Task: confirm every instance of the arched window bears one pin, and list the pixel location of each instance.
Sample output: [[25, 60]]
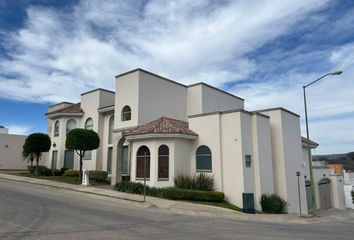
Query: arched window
[[203, 159], [126, 113], [142, 155], [89, 124], [70, 125], [110, 129], [56, 128], [163, 162]]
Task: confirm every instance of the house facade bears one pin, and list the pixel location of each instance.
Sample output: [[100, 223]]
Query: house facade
[[177, 129]]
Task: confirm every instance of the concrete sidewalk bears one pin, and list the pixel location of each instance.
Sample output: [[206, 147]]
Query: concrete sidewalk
[[178, 207]]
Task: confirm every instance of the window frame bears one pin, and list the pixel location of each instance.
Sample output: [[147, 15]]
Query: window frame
[[248, 161], [110, 129], [67, 123], [148, 163], [88, 119], [125, 112], [160, 157], [56, 128], [204, 155]]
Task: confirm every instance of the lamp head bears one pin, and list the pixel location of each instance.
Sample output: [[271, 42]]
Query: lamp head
[[337, 72]]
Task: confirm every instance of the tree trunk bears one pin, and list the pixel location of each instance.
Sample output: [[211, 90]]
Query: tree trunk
[[32, 167], [37, 160], [80, 173]]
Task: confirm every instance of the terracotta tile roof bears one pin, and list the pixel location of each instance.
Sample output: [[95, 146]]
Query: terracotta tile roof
[[312, 143], [162, 125], [76, 108]]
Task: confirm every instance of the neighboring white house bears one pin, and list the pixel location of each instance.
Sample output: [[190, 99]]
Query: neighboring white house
[[348, 188], [11, 150], [183, 129]]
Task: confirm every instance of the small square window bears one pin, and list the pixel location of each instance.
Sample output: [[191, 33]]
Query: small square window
[[248, 161]]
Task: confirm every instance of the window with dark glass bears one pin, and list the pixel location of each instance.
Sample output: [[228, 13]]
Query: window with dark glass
[[89, 124], [110, 129], [125, 160], [56, 128], [126, 113], [109, 160], [163, 162], [248, 161], [143, 155], [203, 159], [87, 155], [70, 125]]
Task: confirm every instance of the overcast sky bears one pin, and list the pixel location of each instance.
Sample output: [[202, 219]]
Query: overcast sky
[[262, 51]]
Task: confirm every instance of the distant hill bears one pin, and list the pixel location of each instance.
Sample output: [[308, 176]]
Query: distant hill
[[346, 159]]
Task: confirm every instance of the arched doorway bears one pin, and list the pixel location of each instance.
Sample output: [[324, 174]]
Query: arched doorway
[[325, 193]]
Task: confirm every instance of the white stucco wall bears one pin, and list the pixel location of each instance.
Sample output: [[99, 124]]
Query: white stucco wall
[[11, 152], [287, 158], [159, 97], [262, 157]]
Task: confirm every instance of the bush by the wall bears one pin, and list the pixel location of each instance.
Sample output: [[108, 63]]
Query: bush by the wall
[[98, 176], [56, 172], [204, 182], [194, 195], [170, 192], [72, 173], [353, 196], [199, 181], [272, 203], [42, 170], [130, 187], [62, 170]]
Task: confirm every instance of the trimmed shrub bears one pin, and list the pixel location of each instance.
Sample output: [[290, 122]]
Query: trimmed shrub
[[199, 181], [131, 187], [352, 196], [56, 172], [272, 203], [194, 195], [42, 170], [170, 192], [62, 171], [72, 173], [155, 191], [98, 176]]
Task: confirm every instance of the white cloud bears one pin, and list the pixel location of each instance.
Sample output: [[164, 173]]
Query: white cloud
[[58, 54], [18, 129]]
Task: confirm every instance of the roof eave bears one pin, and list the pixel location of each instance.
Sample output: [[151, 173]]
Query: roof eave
[[56, 115], [161, 135]]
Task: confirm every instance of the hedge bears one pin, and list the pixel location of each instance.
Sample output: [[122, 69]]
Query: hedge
[[98, 176], [72, 173], [42, 170], [170, 192], [272, 203], [194, 195]]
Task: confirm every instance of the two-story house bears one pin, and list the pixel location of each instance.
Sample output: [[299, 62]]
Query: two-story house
[[179, 129]]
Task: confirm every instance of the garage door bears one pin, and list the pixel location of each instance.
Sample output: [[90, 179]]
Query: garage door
[[325, 193]]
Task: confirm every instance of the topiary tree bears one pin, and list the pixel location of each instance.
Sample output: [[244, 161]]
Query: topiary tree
[[82, 140], [27, 155], [352, 192], [35, 145]]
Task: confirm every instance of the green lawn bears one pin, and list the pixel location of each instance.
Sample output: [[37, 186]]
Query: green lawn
[[63, 179], [223, 204]]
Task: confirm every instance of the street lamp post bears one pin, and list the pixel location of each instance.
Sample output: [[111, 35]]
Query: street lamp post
[[308, 138]]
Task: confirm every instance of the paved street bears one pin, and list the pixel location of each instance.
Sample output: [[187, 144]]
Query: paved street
[[30, 211]]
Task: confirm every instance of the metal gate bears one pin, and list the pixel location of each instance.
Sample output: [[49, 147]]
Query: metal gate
[[325, 193]]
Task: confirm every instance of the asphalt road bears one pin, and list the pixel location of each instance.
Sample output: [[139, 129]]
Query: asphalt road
[[30, 211]]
